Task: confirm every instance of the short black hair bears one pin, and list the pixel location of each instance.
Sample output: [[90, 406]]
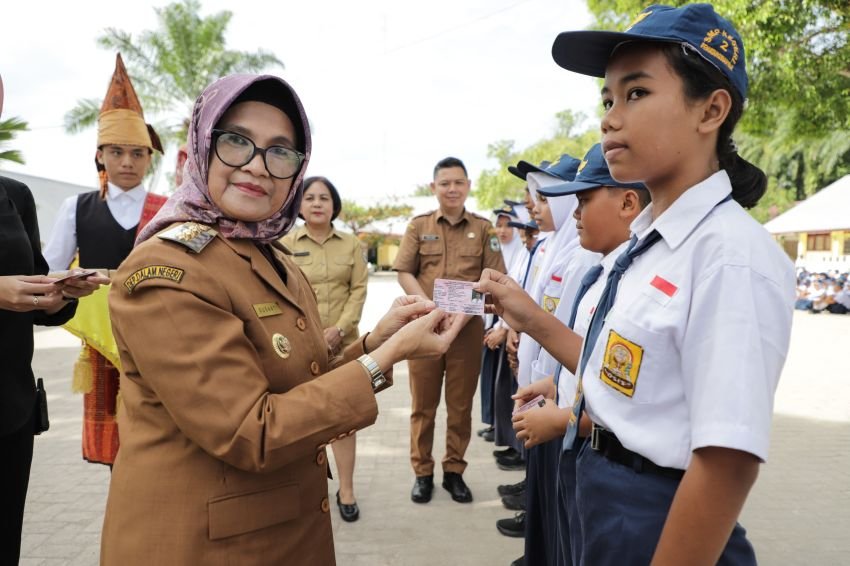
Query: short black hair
[[449, 162], [337, 203]]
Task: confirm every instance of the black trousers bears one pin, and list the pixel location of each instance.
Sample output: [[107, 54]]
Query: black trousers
[[489, 366], [503, 406], [16, 450]]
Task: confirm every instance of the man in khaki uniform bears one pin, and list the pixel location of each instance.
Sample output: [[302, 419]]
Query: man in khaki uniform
[[448, 243]]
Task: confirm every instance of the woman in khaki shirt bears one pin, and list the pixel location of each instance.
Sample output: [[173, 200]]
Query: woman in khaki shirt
[[230, 394], [333, 262]]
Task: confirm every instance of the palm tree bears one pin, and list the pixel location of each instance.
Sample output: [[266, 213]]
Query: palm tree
[[171, 66], [8, 129]]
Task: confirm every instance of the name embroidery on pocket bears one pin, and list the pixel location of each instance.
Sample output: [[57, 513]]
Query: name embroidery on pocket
[[621, 364]]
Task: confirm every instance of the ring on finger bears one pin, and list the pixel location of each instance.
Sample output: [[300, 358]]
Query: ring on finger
[[35, 300]]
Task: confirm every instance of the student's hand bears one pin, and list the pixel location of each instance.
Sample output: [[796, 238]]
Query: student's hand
[[540, 425], [510, 301], [24, 293], [427, 336], [545, 387], [495, 337], [512, 342], [78, 288], [333, 338], [403, 310]]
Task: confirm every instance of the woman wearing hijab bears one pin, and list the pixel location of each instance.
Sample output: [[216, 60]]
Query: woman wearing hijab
[[230, 395]]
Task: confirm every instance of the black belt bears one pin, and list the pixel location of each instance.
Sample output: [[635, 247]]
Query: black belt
[[607, 443]]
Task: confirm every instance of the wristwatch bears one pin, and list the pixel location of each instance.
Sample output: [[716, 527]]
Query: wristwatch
[[375, 374]]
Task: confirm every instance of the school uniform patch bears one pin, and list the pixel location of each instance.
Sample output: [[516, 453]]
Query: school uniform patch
[[494, 244], [153, 272], [549, 304], [621, 364]]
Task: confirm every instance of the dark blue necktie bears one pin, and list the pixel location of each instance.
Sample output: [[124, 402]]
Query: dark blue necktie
[[586, 283], [606, 301], [530, 259]]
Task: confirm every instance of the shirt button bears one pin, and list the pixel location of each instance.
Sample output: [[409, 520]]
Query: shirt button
[[325, 505], [314, 368], [300, 323], [321, 458]]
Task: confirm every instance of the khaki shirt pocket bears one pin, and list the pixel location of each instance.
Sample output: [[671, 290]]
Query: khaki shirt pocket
[[237, 514], [469, 262], [430, 257], [340, 268]]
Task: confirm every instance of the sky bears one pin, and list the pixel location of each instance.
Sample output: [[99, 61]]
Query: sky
[[389, 87]]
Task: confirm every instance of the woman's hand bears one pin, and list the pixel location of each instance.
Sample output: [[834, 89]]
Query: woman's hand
[[403, 310], [24, 293], [427, 336], [333, 338], [510, 301], [540, 425], [545, 387]]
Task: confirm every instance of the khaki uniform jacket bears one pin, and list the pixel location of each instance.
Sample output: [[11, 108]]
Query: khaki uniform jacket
[[229, 400], [434, 248], [337, 271]]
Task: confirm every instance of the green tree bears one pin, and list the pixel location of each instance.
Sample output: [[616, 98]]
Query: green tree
[[170, 66], [797, 123], [423, 190], [572, 135], [8, 129], [357, 217]]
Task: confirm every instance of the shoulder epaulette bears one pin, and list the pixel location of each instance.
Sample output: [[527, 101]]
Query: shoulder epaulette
[[429, 213], [478, 216], [192, 235]]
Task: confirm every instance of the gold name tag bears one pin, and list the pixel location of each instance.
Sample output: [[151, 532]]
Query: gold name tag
[[153, 272], [266, 309]]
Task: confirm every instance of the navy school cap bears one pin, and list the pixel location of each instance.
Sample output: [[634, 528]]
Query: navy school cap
[[564, 168], [592, 173], [521, 169], [696, 26], [507, 210], [530, 225]]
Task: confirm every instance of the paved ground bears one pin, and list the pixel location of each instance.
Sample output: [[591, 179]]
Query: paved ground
[[799, 512]]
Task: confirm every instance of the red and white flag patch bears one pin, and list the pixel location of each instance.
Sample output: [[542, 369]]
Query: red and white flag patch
[[664, 286], [557, 278]]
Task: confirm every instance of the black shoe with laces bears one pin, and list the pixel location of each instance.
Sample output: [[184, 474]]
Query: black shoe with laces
[[515, 502], [512, 527]]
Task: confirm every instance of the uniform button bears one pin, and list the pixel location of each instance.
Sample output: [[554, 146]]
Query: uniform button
[[314, 368], [325, 505], [321, 458], [300, 323]]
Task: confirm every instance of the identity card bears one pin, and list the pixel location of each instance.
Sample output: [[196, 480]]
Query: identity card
[[458, 297]]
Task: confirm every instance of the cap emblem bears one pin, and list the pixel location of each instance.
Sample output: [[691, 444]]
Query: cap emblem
[[722, 46]]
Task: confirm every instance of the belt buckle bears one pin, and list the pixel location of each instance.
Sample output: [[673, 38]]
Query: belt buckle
[[595, 438]]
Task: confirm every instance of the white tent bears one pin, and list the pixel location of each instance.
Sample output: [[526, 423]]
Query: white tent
[[825, 211]]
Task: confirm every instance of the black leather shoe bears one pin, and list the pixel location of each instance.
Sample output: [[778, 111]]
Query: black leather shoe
[[519, 561], [486, 430], [490, 435], [513, 527], [509, 451], [454, 484], [509, 463], [515, 502], [422, 489], [349, 513], [511, 489]]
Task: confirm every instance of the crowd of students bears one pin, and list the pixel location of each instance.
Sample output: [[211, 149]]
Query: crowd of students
[[823, 292], [643, 296]]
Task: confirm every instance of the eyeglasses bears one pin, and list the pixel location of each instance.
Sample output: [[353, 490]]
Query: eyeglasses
[[236, 150]]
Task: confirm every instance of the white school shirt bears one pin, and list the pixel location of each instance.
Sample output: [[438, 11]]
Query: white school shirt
[[125, 207], [567, 382], [516, 270], [690, 354], [559, 294]]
